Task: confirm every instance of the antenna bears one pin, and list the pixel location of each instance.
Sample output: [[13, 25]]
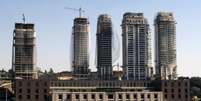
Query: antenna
[[80, 10], [23, 17]]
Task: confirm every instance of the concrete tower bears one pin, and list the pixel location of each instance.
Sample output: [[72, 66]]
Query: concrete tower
[[104, 47], [80, 48], [136, 46], [165, 46], [24, 51]]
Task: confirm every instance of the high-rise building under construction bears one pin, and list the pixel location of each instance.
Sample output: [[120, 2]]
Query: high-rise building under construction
[[24, 51], [104, 47], [80, 61], [165, 45], [136, 46]]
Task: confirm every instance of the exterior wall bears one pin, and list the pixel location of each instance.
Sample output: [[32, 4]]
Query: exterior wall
[[101, 90], [104, 47], [176, 90], [136, 46], [80, 48], [24, 51], [32, 90], [107, 96], [165, 45]]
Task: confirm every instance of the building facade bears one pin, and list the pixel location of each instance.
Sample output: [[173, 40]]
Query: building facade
[[24, 51], [80, 48], [103, 91], [176, 90], [136, 46], [32, 90], [165, 45], [104, 47]]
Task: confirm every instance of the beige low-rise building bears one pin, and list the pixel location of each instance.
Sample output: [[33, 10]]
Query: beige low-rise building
[[103, 91]]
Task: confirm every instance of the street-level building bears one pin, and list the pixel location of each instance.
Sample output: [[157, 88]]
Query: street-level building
[[176, 90], [32, 90], [103, 91]]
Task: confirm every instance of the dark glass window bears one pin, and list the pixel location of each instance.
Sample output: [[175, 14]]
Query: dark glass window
[[77, 96], [60, 96], [110, 96], [20, 97], [85, 96], [28, 96], [127, 96], [37, 96], [93, 96], [120, 96], [100, 96], [68, 96]]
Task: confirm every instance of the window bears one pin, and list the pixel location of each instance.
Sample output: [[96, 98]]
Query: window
[[37, 91], [166, 96], [28, 90], [20, 97], [135, 96], [77, 96], [45, 90], [179, 96], [85, 96], [28, 97], [165, 90], [155, 96], [68, 96], [36, 96], [127, 96], [60, 96], [172, 96], [93, 96], [142, 96], [20, 91], [120, 96], [148, 96], [100, 96], [110, 96]]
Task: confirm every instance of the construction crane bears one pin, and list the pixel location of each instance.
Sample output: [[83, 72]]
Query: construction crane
[[80, 10]]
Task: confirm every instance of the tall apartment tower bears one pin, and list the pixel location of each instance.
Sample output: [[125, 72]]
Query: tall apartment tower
[[104, 47], [80, 48], [24, 51], [136, 46], [165, 45]]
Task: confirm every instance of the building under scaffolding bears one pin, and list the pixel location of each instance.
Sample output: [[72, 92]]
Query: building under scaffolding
[[80, 62], [165, 44], [104, 47], [24, 51]]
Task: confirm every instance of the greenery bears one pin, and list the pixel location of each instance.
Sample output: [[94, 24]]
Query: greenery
[[195, 86], [51, 75]]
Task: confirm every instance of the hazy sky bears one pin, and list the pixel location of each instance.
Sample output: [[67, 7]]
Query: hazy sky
[[53, 26]]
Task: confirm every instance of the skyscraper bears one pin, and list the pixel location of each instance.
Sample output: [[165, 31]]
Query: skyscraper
[[104, 47], [165, 45], [80, 48], [136, 46], [24, 51]]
